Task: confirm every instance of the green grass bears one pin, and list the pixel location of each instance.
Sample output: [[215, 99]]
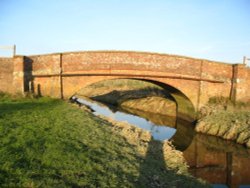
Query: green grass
[[50, 143], [228, 104], [107, 86], [226, 119], [120, 83]]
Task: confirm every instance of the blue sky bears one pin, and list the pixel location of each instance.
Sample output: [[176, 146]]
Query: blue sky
[[210, 29]]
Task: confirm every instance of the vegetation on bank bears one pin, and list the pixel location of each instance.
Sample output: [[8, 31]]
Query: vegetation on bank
[[50, 143], [222, 118], [107, 86], [134, 94]]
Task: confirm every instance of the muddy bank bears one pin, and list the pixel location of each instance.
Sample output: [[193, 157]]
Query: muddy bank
[[158, 119], [141, 138], [157, 105], [107, 86], [132, 94], [172, 159], [225, 120], [148, 100]]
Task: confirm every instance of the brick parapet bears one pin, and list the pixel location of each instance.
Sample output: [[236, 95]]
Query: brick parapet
[[197, 79], [6, 75], [18, 74]]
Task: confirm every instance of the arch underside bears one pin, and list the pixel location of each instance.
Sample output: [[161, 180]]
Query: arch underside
[[185, 105], [191, 82], [182, 91], [186, 78], [185, 112]]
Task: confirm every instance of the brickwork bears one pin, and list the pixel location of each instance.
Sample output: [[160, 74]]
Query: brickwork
[[45, 64], [242, 83], [18, 74], [129, 61], [6, 74], [61, 75], [212, 163]]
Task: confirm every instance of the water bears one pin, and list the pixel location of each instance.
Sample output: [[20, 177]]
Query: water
[[159, 132], [222, 163]]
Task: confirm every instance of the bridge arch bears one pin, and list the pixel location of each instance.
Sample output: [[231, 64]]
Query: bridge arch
[[185, 107], [185, 114], [57, 75]]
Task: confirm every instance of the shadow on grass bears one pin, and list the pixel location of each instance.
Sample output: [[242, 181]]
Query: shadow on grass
[[153, 167], [154, 172], [70, 156]]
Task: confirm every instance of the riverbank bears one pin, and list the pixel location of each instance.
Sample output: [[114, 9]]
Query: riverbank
[[50, 143], [222, 118], [132, 94]]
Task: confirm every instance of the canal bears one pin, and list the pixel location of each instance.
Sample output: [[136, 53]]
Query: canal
[[222, 163]]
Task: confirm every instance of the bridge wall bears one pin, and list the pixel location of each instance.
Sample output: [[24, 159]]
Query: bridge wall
[[6, 75], [241, 83], [61, 75], [215, 71], [45, 74]]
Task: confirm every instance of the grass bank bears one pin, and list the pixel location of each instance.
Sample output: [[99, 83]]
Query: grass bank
[[50, 143], [132, 94], [222, 118], [107, 86]]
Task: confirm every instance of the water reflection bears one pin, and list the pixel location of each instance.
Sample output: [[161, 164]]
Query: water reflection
[[158, 131], [157, 119], [222, 163], [219, 162]]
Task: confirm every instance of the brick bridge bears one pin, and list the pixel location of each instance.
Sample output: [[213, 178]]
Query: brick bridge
[[190, 80]]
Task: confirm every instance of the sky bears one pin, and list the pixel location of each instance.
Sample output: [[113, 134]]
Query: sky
[[209, 29]]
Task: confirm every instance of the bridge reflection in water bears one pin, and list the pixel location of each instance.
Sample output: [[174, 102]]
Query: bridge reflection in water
[[210, 158], [218, 161]]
